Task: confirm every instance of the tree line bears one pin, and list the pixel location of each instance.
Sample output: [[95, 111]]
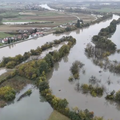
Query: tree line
[[34, 69], [103, 43], [110, 29], [11, 62], [81, 24]]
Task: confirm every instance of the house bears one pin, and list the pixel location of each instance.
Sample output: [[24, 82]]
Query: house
[[5, 40], [39, 33], [46, 29], [25, 36], [19, 37], [25, 31], [34, 35], [63, 26], [22, 31], [12, 38]]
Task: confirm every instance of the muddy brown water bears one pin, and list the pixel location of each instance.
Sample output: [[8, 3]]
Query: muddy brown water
[[58, 78]]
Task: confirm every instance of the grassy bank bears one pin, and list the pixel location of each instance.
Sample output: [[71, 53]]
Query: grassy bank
[[3, 35], [17, 83], [57, 116]]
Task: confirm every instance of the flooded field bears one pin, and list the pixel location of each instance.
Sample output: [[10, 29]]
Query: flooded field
[[58, 78]]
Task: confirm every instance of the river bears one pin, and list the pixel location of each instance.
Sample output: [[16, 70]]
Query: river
[[58, 78]]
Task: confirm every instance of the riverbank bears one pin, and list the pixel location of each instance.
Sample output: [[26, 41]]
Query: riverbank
[[63, 30], [81, 25], [5, 45]]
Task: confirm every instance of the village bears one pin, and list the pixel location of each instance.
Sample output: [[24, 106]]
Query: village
[[23, 35], [33, 33]]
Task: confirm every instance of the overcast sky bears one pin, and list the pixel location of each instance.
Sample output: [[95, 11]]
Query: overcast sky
[[54, 0]]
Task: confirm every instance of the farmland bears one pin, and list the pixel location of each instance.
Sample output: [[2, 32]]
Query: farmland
[[45, 19], [3, 35]]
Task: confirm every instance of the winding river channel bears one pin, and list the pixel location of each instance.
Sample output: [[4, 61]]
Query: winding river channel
[[34, 107]]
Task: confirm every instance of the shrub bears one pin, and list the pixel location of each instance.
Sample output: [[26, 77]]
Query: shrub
[[11, 64], [70, 79], [93, 93], [43, 85], [99, 91], [106, 54], [85, 88], [117, 96], [63, 50], [76, 76], [56, 56], [75, 69], [28, 92], [7, 93]]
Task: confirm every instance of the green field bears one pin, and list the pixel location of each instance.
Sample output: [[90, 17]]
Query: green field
[[6, 20], [9, 14], [3, 35], [1, 44], [57, 116]]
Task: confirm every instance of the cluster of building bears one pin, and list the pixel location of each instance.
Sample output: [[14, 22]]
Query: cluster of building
[[22, 37]]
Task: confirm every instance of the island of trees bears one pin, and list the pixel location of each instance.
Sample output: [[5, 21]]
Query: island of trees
[[110, 29]]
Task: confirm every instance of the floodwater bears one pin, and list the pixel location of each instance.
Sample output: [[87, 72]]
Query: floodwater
[[33, 107], [58, 78], [2, 71], [15, 23]]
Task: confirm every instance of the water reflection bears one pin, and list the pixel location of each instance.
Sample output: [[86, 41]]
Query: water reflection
[[67, 33], [113, 103], [78, 31], [56, 66], [65, 58], [12, 45], [50, 74], [42, 99]]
